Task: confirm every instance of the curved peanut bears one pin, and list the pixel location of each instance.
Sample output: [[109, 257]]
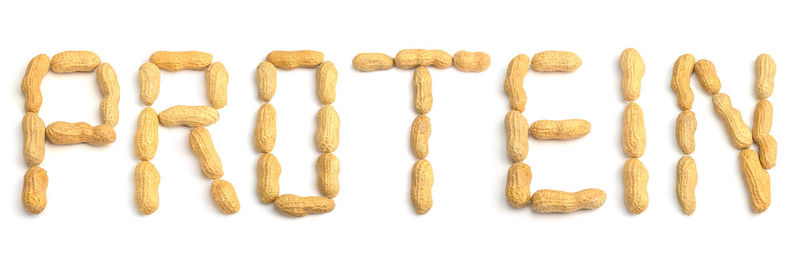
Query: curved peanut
[[32, 82], [149, 78], [147, 180], [411, 58], [74, 61], [372, 62], [266, 128], [560, 129], [203, 148], [471, 61], [224, 196], [423, 94], [632, 67], [176, 61], [685, 127], [549, 61], [191, 116], [767, 151], [145, 141], [420, 133], [80, 132], [295, 59], [421, 185], [326, 82], [217, 85], [515, 76], [516, 136], [738, 132], [686, 183], [266, 77], [518, 185], [765, 76], [556, 201], [109, 86], [328, 175], [707, 75], [634, 136], [635, 176], [269, 172], [681, 75], [297, 206], [34, 190], [757, 180], [33, 130], [327, 137]]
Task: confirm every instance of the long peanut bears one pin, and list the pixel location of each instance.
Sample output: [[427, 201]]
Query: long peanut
[[191, 116], [518, 185], [757, 180], [145, 141], [269, 172], [738, 132], [297, 206], [175, 61], [421, 185], [420, 133], [109, 87], [560, 129], [372, 62], [147, 180], [411, 58], [471, 61], [266, 77], [686, 183], [217, 85], [73, 133], [295, 59], [707, 75], [635, 177], [266, 128], [423, 94], [516, 136], [32, 82], [513, 84], [149, 78], [327, 137], [555, 61], [685, 127], [765, 76], [33, 130], [203, 148], [556, 201], [326, 82], [328, 175], [74, 61], [634, 136], [632, 67], [34, 190], [224, 196], [681, 75]]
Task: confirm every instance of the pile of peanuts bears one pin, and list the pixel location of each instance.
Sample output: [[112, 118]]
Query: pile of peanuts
[[34, 192]]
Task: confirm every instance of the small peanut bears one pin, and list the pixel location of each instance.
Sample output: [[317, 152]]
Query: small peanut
[[109, 86], [203, 148], [421, 185], [326, 82], [549, 61], [328, 175], [269, 172], [757, 180], [685, 127], [515, 76], [372, 62], [266, 77], [217, 85], [224, 196], [767, 151], [423, 94], [295, 59], [176, 61], [33, 139], [327, 129], [149, 78], [635, 176], [34, 190], [738, 132], [681, 75], [632, 67], [420, 133], [707, 75], [411, 58], [266, 129], [518, 185], [560, 129], [516, 136], [686, 183], [634, 136], [765, 76], [297, 206], [73, 133], [32, 82], [556, 201], [145, 141], [471, 61], [74, 61], [191, 116], [147, 180], [762, 119]]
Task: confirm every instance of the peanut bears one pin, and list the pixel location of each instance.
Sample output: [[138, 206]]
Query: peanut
[[686, 183], [73, 133], [762, 119], [34, 190], [109, 86], [203, 148], [757, 180], [176, 61], [681, 75], [685, 127], [423, 94], [372, 62], [32, 82], [518, 185], [420, 133], [224, 196], [632, 67], [326, 82], [217, 85], [765, 76], [635, 177], [328, 175], [297, 206], [634, 136], [295, 59], [421, 185], [471, 61], [269, 172], [740, 135], [560, 129], [548, 61], [266, 128], [556, 201], [266, 77], [147, 180], [327, 129], [74, 61], [707, 75], [515, 76], [411, 58], [33, 139], [145, 141], [767, 151], [191, 116], [149, 83], [516, 136]]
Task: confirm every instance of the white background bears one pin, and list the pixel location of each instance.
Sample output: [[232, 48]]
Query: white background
[[91, 220]]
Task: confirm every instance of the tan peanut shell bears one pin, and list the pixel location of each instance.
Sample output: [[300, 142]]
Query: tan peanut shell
[[757, 180], [326, 82], [556, 201], [217, 85], [635, 177], [518, 185], [707, 75], [420, 133], [423, 94], [109, 87], [550, 61], [176, 61], [34, 190], [33, 130], [762, 119], [80, 132], [421, 185], [224, 196], [372, 62], [412, 58], [765, 76], [471, 61], [768, 151], [145, 141], [516, 136], [32, 82], [681, 76], [269, 172], [327, 129], [74, 61], [296, 206], [191, 116], [266, 128], [295, 59], [686, 183], [147, 180], [149, 78], [203, 148], [515, 76], [266, 77], [685, 127], [328, 175], [634, 136], [560, 129], [738, 132], [632, 67]]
